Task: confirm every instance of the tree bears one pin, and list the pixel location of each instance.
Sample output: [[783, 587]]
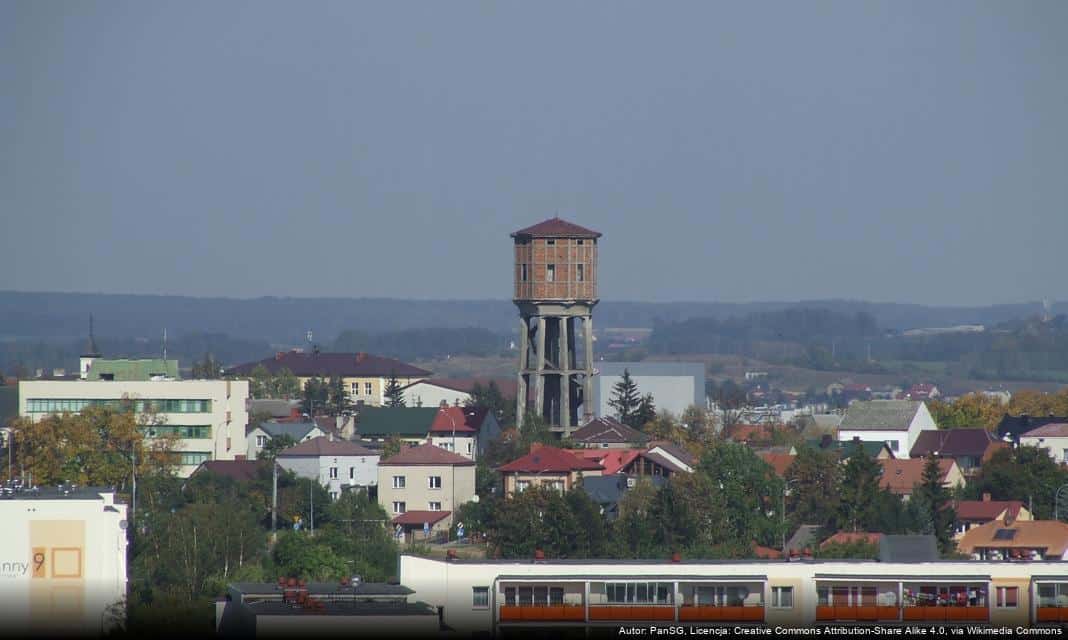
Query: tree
[[339, 400], [316, 395], [259, 382], [970, 410], [1025, 473], [698, 422], [645, 412], [393, 392], [813, 478], [276, 445], [934, 506], [693, 514], [490, 397], [752, 492], [300, 556], [857, 550], [859, 492], [391, 447], [635, 530], [625, 399], [731, 401], [207, 369], [285, 385]]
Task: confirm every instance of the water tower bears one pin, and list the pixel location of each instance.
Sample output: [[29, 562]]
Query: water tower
[[556, 290]]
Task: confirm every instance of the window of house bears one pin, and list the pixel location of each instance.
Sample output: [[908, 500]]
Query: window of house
[[556, 596], [892, 444], [334, 495], [480, 597], [355, 388], [434, 506], [398, 482], [556, 484], [333, 473], [468, 448], [782, 597], [352, 473], [400, 507], [433, 482], [521, 485], [509, 596], [261, 441], [550, 273], [580, 272], [1007, 597], [367, 388]]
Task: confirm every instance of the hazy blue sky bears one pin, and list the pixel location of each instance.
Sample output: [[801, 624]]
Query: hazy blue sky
[[904, 151]]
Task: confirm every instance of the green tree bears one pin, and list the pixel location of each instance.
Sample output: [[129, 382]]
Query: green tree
[[636, 532], [490, 397], [393, 392], [933, 503], [538, 518], [339, 400], [391, 447], [1025, 473], [857, 550], [625, 400], [813, 478], [275, 445], [859, 492], [646, 411], [316, 395], [751, 490], [299, 555], [259, 382], [285, 385]]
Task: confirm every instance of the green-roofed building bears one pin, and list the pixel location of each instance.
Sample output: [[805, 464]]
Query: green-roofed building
[[411, 424], [876, 450], [130, 370]]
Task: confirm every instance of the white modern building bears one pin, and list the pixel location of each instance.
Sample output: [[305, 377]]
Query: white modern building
[[338, 465], [898, 423], [62, 561], [209, 416], [674, 385]]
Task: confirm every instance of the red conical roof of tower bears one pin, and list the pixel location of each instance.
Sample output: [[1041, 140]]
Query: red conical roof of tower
[[557, 228]]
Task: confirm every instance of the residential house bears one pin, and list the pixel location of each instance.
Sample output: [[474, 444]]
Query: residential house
[[424, 484], [1051, 437], [607, 433], [751, 434], [338, 465], [410, 425], [969, 447], [547, 466], [1012, 427], [463, 430], [972, 513], [364, 375], [632, 462], [209, 417], [257, 437], [608, 490], [780, 462], [844, 449], [898, 423], [922, 391], [673, 452], [902, 476], [456, 392], [1036, 540]]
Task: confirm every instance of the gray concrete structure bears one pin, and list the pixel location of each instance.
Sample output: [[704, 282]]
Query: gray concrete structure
[[674, 385]]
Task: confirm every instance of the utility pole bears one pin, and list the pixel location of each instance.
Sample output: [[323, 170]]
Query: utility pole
[[274, 498], [311, 499]]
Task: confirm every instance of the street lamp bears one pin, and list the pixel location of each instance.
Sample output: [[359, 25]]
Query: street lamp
[[785, 489]]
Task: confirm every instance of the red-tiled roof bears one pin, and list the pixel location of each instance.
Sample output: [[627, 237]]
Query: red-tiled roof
[[551, 460], [778, 461], [419, 517], [426, 454], [747, 432], [954, 442], [612, 460], [333, 364], [900, 476], [324, 446], [766, 553], [460, 419], [1055, 430], [1030, 534], [987, 509], [850, 537], [557, 228]]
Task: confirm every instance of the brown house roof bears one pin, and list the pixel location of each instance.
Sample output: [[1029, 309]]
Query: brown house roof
[[550, 460], [238, 470], [419, 517], [1055, 430], [324, 446], [426, 454], [955, 442], [987, 509], [780, 462], [557, 228], [900, 476], [674, 450], [460, 419], [1029, 534], [607, 430], [333, 364]]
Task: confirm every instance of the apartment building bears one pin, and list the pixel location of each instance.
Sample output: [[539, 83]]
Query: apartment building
[[338, 465], [209, 416], [423, 486], [62, 561], [506, 596]]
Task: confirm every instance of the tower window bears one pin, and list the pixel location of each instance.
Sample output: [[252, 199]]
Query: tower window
[[550, 273], [580, 242], [551, 243], [523, 273], [580, 273]]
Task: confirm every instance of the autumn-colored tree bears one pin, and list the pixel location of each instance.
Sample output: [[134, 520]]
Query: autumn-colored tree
[[969, 410], [1037, 403]]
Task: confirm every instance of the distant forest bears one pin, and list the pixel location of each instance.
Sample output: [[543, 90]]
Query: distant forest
[[48, 330]]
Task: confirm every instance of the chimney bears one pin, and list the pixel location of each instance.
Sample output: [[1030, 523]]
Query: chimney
[[539, 555], [986, 497], [676, 557]]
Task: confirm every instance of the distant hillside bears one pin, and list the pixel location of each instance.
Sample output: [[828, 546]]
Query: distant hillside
[[63, 316]]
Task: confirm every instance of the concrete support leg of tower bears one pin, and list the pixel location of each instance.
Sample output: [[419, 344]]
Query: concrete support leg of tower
[[565, 377], [521, 382], [587, 393], [539, 365]]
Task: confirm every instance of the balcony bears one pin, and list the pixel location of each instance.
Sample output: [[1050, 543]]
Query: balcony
[[648, 613], [1051, 614], [937, 613], [705, 613], [860, 613], [543, 613]]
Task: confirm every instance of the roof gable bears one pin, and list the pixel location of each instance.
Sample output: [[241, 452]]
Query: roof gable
[[1030, 534], [607, 430], [459, 419], [901, 476], [324, 446], [880, 415], [426, 455]]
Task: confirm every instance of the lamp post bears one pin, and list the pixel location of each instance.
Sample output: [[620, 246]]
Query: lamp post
[[1057, 501], [785, 489]]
